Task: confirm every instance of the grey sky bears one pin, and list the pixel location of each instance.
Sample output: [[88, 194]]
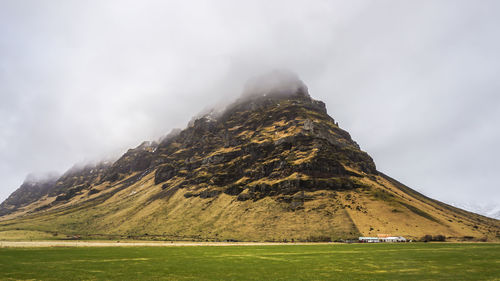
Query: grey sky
[[414, 82]]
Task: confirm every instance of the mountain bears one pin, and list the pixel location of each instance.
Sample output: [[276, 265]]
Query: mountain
[[272, 166]]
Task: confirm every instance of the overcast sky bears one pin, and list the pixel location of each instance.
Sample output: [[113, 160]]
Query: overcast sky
[[416, 83]]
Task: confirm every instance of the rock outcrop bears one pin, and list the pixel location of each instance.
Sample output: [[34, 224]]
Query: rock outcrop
[[267, 145]]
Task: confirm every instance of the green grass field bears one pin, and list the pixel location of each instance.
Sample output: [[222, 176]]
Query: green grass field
[[418, 261]]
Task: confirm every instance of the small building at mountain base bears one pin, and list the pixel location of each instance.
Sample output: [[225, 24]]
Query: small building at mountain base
[[369, 240], [386, 239]]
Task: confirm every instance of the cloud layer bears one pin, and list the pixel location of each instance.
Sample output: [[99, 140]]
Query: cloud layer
[[414, 82]]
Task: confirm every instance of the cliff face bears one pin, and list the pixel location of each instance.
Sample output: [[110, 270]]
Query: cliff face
[[271, 166], [262, 147]]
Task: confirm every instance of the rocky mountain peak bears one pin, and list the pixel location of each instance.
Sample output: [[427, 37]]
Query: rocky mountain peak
[[262, 146], [261, 91]]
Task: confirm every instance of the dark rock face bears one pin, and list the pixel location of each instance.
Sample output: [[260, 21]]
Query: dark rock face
[[264, 146], [164, 173], [134, 160], [80, 177]]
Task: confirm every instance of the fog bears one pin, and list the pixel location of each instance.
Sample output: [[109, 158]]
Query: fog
[[414, 82], [278, 82]]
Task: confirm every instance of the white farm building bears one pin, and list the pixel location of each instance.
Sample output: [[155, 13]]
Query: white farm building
[[369, 239], [389, 239]]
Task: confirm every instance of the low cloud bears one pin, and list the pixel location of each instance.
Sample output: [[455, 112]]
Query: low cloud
[[276, 83]]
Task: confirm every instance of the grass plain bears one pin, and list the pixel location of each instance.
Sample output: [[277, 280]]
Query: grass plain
[[415, 261]]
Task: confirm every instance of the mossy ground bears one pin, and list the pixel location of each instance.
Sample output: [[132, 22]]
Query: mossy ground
[[415, 261]]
